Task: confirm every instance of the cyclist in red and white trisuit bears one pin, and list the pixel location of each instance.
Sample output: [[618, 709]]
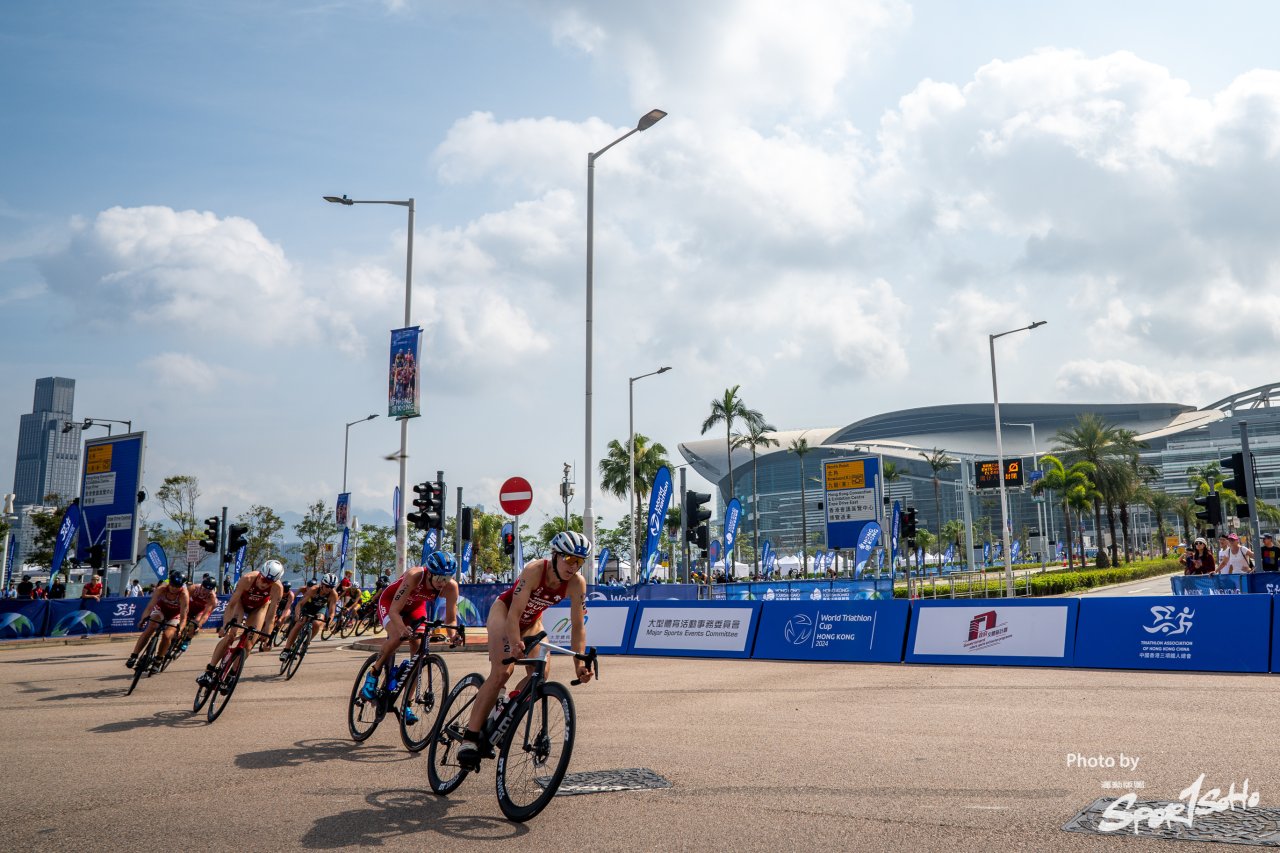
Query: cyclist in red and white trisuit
[[168, 608], [518, 613], [409, 599], [253, 603], [204, 600]]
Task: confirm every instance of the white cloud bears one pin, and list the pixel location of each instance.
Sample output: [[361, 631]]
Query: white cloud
[[182, 371], [1120, 381]]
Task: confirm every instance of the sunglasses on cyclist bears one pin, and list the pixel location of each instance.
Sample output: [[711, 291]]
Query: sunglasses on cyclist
[[574, 561]]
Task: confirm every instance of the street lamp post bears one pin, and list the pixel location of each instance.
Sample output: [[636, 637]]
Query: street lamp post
[[404, 421], [631, 470], [1004, 493], [345, 443], [1040, 507], [647, 121], [92, 422]]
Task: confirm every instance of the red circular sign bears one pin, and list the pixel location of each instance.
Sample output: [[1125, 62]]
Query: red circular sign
[[516, 496]]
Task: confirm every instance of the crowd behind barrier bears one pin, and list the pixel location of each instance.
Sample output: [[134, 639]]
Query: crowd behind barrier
[[804, 590], [1262, 583], [1239, 632]]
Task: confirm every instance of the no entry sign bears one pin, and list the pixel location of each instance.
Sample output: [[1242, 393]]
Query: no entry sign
[[516, 496]]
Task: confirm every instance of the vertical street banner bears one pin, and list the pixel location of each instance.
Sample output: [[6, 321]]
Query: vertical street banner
[[1015, 551], [342, 557], [109, 490], [894, 532], [158, 560], [466, 559], [428, 545], [732, 517], [950, 555], [402, 379], [659, 500], [66, 532], [240, 561], [8, 566], [870, 536], [713, 551], [604, 558], [766, 555], [342, 509], [986, 554]]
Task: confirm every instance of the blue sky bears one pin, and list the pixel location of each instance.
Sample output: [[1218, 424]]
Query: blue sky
[[845, 199]]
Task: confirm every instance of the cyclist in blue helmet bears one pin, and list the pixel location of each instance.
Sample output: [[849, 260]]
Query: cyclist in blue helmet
[[411, 598]]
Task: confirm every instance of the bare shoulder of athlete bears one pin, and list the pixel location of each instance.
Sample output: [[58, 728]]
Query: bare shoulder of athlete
[[577, 586]]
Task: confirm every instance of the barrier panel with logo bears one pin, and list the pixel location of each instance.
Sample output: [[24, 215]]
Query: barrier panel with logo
[[1209, 584], [22, 618], [1168, 632], [837, 590], [68, 618], [1021, 632], [644, 592], [608, 625], [832, 631], [719, 629], [1264, 583]]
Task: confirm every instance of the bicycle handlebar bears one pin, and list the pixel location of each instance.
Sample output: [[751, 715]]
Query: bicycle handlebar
[[247, 629], [423, 625], [590, 657]]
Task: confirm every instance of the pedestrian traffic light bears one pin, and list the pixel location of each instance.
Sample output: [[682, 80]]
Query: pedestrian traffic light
[[695, 514], [464, 522], [909, 524], [430, 505], [1237, 482], [702, 538], [97, 556], [509, 543], [237, 537], [210, 541], [1211, 515]]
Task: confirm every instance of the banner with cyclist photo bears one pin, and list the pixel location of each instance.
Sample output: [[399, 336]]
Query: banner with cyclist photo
[[402, 378]]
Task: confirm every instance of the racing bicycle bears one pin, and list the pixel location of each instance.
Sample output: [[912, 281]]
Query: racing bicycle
[[419, 683], [150, 655], [227, 673], [533, 735], [297, 651]]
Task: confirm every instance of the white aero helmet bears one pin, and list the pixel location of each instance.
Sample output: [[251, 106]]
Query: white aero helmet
[[329, 579], [572, 543], [273, 570]]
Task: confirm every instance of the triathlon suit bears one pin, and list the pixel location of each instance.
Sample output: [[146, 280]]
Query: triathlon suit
[[540, 599], [169, 608], [315, 605], [414, 607], [252, 598], [201, 600]]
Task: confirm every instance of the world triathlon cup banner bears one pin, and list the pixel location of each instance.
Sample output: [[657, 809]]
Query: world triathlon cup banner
[[832, 631], [720, 629], [402, 379], [608, 625], [837, 590], [1210, 634], [993, 631], [1210, 584], [659, 500]]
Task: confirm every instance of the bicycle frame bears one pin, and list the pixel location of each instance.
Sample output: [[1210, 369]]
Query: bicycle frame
[[419, 633], [518, 707]]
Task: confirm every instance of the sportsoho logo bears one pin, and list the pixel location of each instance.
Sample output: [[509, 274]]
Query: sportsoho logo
[[985, 631]]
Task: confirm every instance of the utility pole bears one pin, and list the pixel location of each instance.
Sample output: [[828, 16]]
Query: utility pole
[[222, 550]]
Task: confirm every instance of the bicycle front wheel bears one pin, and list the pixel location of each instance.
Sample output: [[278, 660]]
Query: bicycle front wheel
[[363, 715], [300, 645], [347, 625], [330, 628], [534, 755], [228, 678], [443, 771], [421, 699]]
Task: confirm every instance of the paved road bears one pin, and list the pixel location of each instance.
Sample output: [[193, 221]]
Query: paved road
[[761, 756], [1147, 586]]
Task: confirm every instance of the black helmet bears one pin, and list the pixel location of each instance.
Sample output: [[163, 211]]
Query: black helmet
[[209, 583], [177, 578]]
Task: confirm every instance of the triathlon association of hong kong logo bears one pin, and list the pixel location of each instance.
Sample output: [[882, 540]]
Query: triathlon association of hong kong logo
[[985, 631]]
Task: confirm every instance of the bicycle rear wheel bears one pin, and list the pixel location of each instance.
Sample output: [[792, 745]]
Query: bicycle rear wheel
[[364, 622], [347, 625], [143, 664], [422, 697], [534, 755], [228, 678], [330, 627], [300, 645], [443, 771], [202, 696], [363, 715]]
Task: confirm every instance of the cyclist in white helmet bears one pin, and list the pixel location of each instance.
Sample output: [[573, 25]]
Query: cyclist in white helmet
[[253, 603], [322, 598], [518, 613]]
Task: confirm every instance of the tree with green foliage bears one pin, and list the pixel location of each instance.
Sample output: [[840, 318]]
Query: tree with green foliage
[[375, 550], [938, 462], [177, 497], [800, 447], [1091, 440], [756, 437], [615, 472], [316, 530], [728, 410], [263, 536], [1161, 504], [1061, 479]]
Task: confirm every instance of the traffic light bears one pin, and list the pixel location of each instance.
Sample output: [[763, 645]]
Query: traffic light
[[909, 524], [210, 541], [237, 537], [97, 556], [464, 522], [430, 505], [1211, 515], [509, 543], [1237, 482], [696, 517]]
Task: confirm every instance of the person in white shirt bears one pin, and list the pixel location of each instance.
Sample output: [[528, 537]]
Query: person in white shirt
[[1235, 559], [135, 588]]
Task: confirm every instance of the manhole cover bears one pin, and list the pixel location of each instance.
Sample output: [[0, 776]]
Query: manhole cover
[[601, 781], [1259, 827]]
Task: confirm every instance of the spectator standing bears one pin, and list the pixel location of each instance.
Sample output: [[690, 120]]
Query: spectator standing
[[57, 589], [135, 589], [26, 588], [1199, 559], [1235, 560], [39, 591], [1268, 555], [92, 590]]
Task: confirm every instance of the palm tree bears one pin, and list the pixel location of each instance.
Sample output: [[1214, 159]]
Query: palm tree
[[1081, 498], [1159, 503], [755, 437], [1062, 479], [1090, 440], [727, 410], [938, 461], [615, 473], [800, 447], [953, 531], [1185, 509]]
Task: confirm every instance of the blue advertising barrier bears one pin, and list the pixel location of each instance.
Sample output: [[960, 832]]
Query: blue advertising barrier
[[1264, 583], [1209, 584], [644, 592], [1020, 632], [22, 618], [1168, 632], [475, 599], [719, 629], [836, 590], [832, 631], [608, 625]]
